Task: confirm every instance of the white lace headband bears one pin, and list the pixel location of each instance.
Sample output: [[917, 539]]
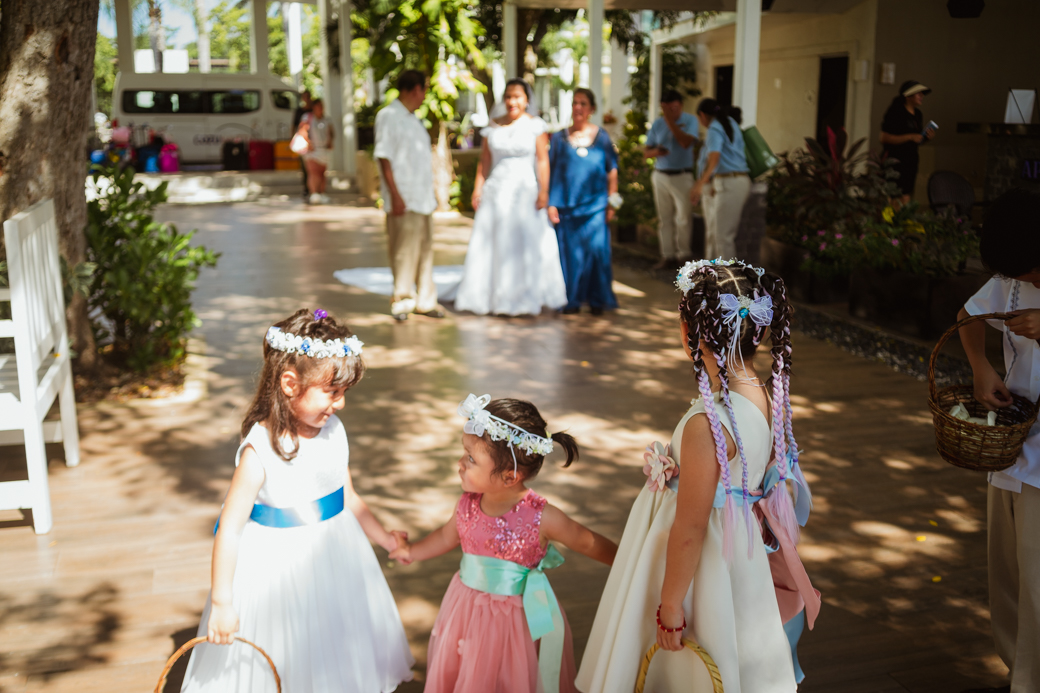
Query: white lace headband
[[315, 348], [685, 281], [481, 421]]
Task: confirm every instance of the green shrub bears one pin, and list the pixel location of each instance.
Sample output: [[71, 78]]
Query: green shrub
[[821, 195], [920, 242], [140, 295], [634, 174]]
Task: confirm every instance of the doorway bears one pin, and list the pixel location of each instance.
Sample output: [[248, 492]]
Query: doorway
[[830, 102], [724, 85]]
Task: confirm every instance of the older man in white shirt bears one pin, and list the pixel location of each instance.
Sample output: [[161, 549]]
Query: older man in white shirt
[[403, 150]]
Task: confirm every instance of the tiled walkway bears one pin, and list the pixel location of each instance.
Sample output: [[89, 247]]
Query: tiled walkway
[[896, 543]]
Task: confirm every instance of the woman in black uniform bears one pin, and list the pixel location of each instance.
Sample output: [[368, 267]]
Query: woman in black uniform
[[902, 130]]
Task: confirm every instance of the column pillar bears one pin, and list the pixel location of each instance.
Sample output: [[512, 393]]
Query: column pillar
[[348, 130], [596, 19], [654, 104], [124, 37], [258, 39], [332, 86], [509, 47], [745, 59]]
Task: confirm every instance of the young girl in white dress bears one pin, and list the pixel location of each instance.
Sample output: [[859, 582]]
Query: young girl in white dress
[[513, 260], [293, 572], [692, 562]]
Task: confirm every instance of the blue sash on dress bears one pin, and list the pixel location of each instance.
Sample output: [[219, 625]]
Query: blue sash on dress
[[311, 513]]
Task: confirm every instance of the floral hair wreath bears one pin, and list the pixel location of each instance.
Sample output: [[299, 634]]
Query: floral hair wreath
[[481, 421], [315, 348]]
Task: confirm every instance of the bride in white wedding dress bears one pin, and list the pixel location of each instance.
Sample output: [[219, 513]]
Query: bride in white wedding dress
[[513, 260]]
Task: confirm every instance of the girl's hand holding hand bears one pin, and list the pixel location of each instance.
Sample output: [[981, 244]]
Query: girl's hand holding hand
[[671, 617], [403, 552], [223, 624]]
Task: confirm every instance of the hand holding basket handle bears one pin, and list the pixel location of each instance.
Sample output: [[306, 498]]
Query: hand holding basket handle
[[970, 445]]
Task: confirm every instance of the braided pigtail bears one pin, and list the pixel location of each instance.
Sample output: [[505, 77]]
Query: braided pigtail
[[778, 499], [729, 517], [721, 361], [700, 312]]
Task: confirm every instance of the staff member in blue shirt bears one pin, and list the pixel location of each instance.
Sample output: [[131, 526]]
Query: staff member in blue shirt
[[670, 143], [727, 173]]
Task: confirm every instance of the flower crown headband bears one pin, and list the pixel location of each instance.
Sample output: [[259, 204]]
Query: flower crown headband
[[481, 421], [734, 308], [315, 348]]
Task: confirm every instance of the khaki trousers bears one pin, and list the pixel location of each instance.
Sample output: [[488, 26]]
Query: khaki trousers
[[674, 226], [1013, 521], [411, 258], [722, 224]]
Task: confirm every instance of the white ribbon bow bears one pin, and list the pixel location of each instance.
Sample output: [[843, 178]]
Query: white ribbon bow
[[735, 308], [473, 409]]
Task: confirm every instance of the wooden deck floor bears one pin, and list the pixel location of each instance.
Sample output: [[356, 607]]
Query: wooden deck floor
[[896, 542]]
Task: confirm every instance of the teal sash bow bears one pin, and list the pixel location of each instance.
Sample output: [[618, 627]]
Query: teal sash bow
[[544, 619]]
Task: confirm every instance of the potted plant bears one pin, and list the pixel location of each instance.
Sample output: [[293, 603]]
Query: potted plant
[[817, 197], [915, 273]]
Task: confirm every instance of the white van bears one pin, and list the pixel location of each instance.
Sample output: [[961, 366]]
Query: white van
[[198, 112]]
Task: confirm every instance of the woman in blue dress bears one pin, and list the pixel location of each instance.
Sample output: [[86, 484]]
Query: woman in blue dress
[[582, 184]]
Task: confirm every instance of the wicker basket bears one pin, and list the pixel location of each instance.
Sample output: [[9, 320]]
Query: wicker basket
[[709, 663], [971, 445], [195, 641]]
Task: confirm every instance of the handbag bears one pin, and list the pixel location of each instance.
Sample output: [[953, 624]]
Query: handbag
[[299, 144]]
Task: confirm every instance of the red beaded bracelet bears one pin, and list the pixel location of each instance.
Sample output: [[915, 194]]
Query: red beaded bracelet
[[670, 630]]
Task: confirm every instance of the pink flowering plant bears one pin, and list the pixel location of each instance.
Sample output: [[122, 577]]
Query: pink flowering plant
[[659, 466], [818, 196]]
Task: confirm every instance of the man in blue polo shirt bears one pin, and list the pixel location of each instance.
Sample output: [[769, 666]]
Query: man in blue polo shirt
[[670, 143]]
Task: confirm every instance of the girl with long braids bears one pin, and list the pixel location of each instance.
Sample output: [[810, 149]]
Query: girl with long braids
[[694, 562]]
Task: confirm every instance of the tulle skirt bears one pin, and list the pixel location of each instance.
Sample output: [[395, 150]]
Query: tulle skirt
[[314, 598], [480, 642]]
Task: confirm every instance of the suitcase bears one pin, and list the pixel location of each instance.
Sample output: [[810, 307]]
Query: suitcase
[[261, 155], [235, 156], [169, 159], [284, 158]]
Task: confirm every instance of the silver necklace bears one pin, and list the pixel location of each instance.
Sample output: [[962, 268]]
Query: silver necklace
[[580, 141]]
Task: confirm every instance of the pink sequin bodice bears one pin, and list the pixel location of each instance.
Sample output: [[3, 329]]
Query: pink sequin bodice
[[511, 537]]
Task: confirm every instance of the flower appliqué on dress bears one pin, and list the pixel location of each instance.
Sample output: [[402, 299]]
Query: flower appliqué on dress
[[659, 467]]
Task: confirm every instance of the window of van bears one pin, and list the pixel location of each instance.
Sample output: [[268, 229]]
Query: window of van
[[163, 102], [234, 101], [285, 100]]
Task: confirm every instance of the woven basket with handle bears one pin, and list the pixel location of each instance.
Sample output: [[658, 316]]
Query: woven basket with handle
[[971, 445], [195, 641], [709, 663]]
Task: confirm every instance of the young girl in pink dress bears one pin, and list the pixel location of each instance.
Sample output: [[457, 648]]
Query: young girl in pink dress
[[500, 602]]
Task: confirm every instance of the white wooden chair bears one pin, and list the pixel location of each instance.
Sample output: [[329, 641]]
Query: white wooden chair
[[39, 370]]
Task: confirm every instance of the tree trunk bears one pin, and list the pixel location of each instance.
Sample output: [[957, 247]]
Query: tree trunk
[[46, 71], [200, 24], [443, 172], [156, 37]]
